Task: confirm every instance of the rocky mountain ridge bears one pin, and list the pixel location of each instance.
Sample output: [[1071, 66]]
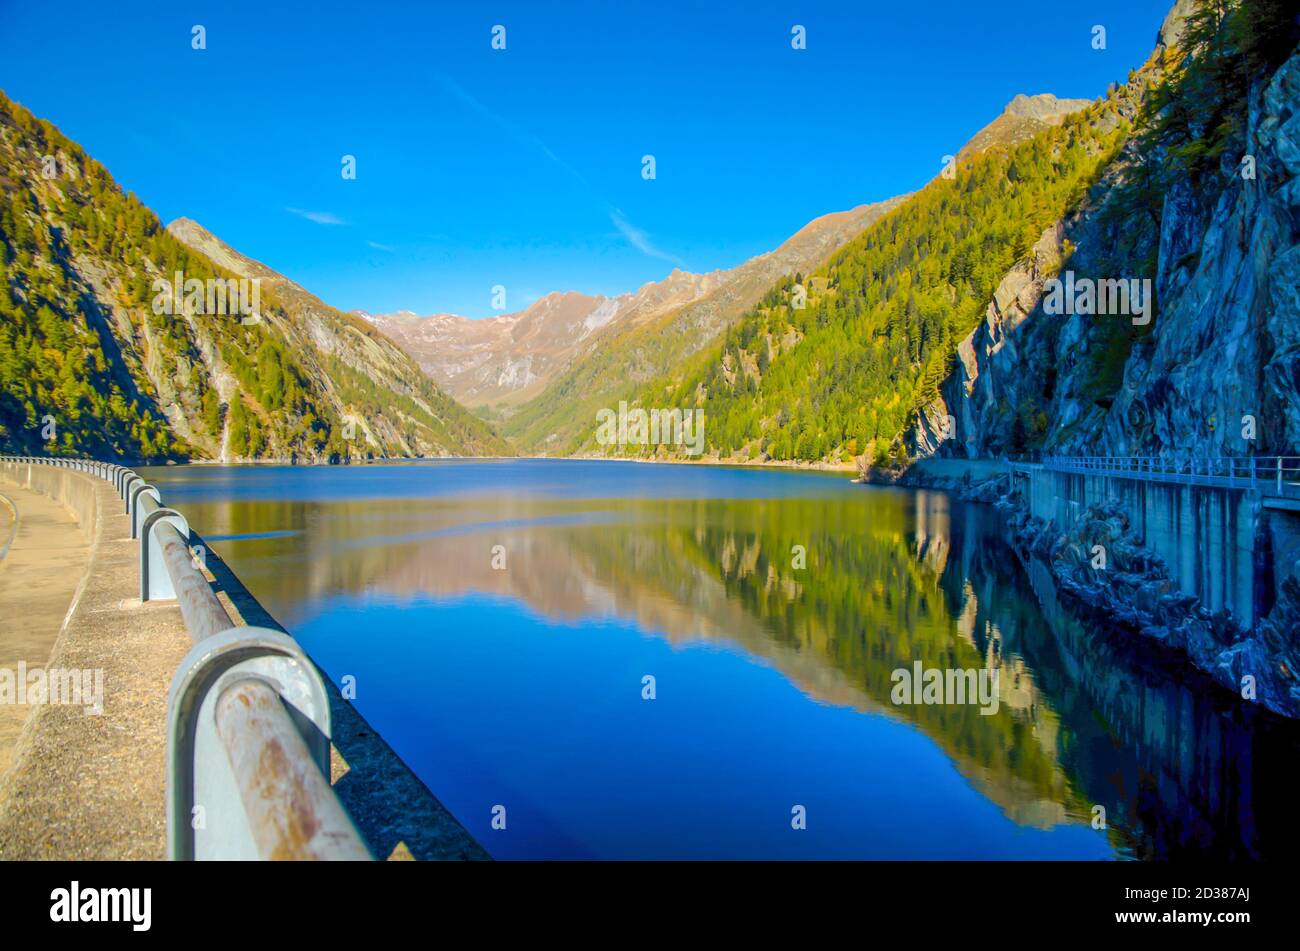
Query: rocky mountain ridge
[[1023, 118], [504, 361]]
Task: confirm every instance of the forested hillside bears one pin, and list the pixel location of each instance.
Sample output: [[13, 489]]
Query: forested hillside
[[87, 365], [654, 336], [879, 328]]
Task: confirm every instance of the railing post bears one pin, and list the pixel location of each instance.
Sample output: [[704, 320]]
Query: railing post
[[162, 530], [139, 492], [130, 481]]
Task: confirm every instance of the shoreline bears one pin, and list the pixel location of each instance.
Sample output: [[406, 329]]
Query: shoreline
[[806, 467]]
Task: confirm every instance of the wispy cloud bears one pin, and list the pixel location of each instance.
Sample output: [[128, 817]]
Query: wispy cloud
[[634, 235], [381, 247], [319, 217], [512, 130], [639, 239]]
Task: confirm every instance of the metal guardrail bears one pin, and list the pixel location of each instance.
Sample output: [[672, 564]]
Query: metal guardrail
[[248, 717], [1270, 475]]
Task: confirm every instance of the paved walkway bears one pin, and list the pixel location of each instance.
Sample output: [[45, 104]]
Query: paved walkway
[[38, 577], [83, 786]]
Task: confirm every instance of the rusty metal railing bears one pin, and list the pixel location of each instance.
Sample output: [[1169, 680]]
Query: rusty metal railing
[[285, 798], [248, 717]]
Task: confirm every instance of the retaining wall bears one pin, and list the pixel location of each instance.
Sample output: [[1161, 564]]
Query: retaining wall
[[1207, 535], [76, 491]]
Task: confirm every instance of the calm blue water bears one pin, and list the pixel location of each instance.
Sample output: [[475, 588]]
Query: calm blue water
[[499, 619]]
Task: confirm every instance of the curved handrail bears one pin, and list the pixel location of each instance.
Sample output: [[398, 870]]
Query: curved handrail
[[268, 777]]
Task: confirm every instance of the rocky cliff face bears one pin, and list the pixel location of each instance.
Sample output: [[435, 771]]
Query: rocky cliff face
[[1221, 352], [1226, 344]]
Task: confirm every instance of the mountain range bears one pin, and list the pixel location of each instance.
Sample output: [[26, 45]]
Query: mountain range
[[870, 334], [503, 362], [544, 371], [931, 332]]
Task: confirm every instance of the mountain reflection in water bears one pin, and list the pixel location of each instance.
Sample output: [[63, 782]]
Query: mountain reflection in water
[[529, 678]]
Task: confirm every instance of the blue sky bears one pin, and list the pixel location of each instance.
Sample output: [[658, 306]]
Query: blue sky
[[522, 167]]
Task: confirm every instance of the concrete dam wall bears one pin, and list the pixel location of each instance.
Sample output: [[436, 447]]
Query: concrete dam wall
[[1209, 536]]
